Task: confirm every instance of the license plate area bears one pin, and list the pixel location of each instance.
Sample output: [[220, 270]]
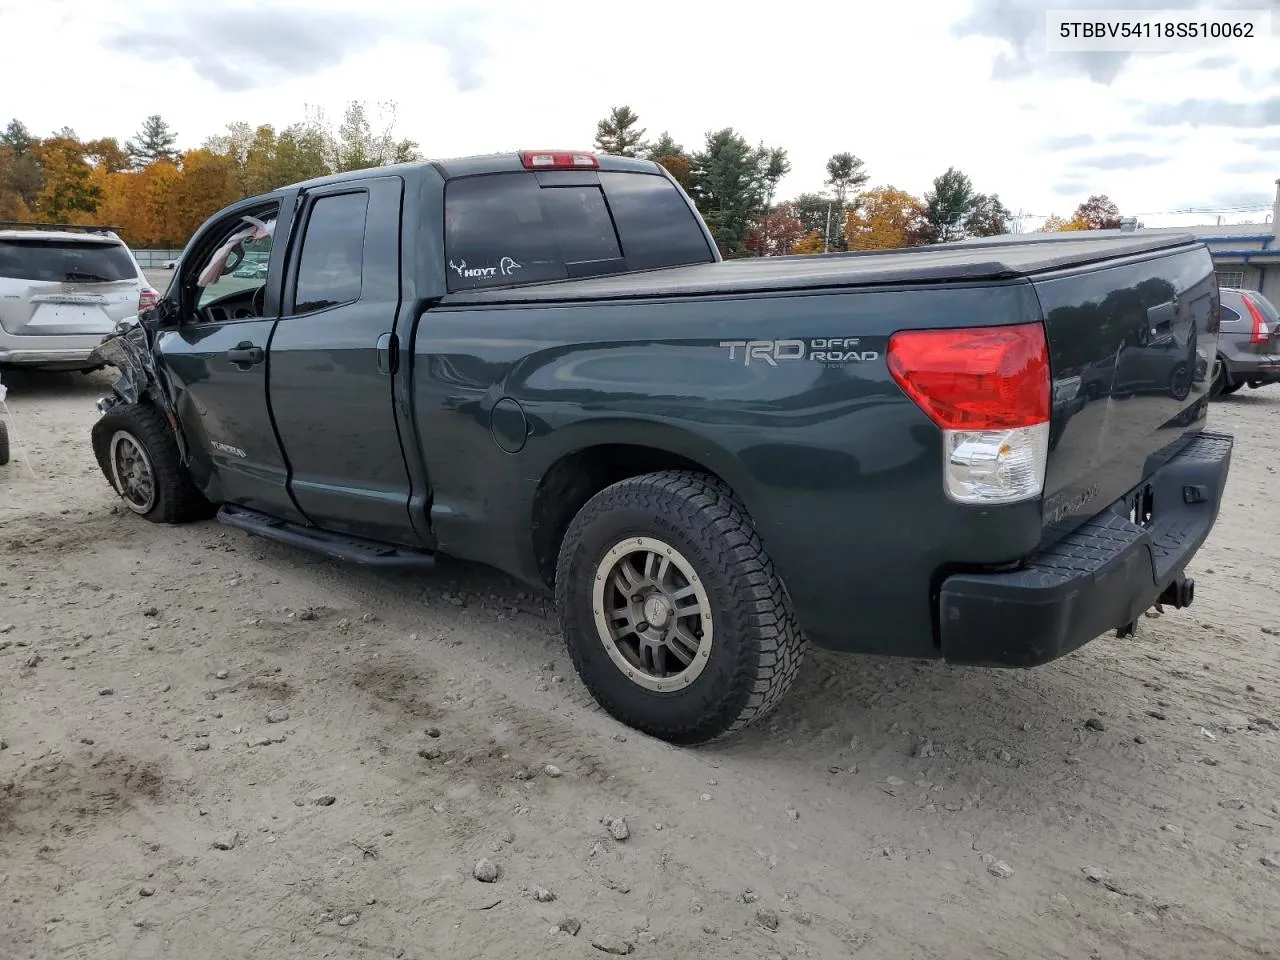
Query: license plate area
[[1142, 506]]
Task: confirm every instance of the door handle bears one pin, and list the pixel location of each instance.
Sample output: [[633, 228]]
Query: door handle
[[246, 352], [388, 353]]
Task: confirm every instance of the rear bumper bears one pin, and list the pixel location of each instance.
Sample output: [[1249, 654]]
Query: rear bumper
[[48, 356], [1100, 577], [1259, 369]]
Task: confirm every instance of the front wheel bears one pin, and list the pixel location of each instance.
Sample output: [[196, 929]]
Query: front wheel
[[672, 612], [139, 457]]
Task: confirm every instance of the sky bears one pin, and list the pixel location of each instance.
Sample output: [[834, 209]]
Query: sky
[[910, 87]]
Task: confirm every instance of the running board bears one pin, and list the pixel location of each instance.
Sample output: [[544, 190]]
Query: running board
[[369, 553]]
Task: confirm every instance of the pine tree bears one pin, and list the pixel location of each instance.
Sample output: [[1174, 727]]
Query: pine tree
[[155, 141], [616, 134], [728, 187]]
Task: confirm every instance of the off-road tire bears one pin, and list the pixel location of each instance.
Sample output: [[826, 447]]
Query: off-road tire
[[176, 498], [4, 443], [757, 647]]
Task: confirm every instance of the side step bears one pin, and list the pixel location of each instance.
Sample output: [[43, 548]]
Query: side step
[[368, 553]]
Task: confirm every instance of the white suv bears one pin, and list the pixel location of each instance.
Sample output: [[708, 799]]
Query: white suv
[[62, 290]]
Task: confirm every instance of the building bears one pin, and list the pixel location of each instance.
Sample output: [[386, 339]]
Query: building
[[1246, 256]]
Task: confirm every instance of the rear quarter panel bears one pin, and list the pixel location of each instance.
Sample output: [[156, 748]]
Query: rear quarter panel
[[839, 470]]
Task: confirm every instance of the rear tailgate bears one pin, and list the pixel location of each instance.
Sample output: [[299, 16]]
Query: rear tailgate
[[1131, 347], [65, 287]]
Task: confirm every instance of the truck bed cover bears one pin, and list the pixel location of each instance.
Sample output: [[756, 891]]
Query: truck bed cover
[[1003, 258]]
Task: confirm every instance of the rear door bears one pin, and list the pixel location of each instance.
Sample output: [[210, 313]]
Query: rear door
[[66, 286], [332, 359]]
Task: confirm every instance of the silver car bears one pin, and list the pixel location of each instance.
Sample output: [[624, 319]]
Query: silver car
[[1249, 342], [62, 289]]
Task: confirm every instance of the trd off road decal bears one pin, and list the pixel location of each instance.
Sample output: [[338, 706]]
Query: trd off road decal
[[829, 351]]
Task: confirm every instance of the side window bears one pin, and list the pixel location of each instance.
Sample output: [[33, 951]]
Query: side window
[[655, 223], [1228, 315], [331, 267], [504, 228], [237, 264]]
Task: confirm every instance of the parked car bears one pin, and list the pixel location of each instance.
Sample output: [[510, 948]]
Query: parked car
[[539, 361], [62, 289], [1249, 345]]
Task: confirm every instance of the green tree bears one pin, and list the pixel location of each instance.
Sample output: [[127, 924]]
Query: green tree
[[811, 209], [988, 218], [357, 146], [616, 134], [18, 137], [948, 205], [301, 153], [845, 175], [155, 141], [664, 146], [728, 188], [21, 176], [773, 165]]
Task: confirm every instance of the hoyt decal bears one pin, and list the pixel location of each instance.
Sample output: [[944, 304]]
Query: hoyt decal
[[828, 350]]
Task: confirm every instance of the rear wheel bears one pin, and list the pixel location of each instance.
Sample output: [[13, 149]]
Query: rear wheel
[[673, 614], [139, 457]]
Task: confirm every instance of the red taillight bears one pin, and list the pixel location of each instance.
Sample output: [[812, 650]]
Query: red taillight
[[147, 299], [1261, 332], [558, 160], [978, 378]]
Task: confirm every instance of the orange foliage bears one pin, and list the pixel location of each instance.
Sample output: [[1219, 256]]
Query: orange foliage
[[885, 218], [810, 244]]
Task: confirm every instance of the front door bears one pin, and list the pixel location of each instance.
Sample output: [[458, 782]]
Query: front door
[[332, 358], [216, 362]]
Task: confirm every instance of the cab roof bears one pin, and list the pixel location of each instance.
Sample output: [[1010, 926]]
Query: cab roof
[[476, 165]]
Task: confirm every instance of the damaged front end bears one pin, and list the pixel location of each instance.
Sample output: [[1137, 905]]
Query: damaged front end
[[131, 351]]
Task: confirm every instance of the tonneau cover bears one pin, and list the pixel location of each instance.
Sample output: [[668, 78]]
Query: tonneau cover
[[1001, 258]]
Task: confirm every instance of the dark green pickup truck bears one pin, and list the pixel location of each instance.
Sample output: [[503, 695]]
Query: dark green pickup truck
[[540, 362]]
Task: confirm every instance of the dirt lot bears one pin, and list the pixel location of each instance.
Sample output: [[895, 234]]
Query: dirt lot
[[359, 741]]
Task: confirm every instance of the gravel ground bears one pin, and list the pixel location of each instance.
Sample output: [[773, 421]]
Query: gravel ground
[[217, 747]]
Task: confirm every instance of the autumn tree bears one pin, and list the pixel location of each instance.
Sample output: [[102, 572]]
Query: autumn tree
[[728, 187], [812, 242], [886, 218], [154, 141], [1099, 212], [948, 205], [69, 190], [988, 218], [776, 232], [1056, 224], [616, 134]]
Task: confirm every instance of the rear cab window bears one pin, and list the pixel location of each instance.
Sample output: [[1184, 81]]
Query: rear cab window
[[65, 261], [504, 229]]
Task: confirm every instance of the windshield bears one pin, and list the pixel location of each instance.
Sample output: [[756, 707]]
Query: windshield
[[65, 261]]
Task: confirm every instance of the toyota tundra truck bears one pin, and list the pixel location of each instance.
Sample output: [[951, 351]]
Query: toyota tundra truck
[[989, 452]]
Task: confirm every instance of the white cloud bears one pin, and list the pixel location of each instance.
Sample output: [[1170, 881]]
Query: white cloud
[[898, 85]]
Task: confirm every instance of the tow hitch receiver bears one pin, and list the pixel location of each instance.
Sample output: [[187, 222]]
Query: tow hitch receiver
[[1178, 594]]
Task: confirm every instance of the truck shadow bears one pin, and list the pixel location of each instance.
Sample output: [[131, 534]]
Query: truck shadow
[[48, 384]]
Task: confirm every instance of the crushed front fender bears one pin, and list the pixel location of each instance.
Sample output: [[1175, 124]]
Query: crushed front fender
[[131, 350]]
